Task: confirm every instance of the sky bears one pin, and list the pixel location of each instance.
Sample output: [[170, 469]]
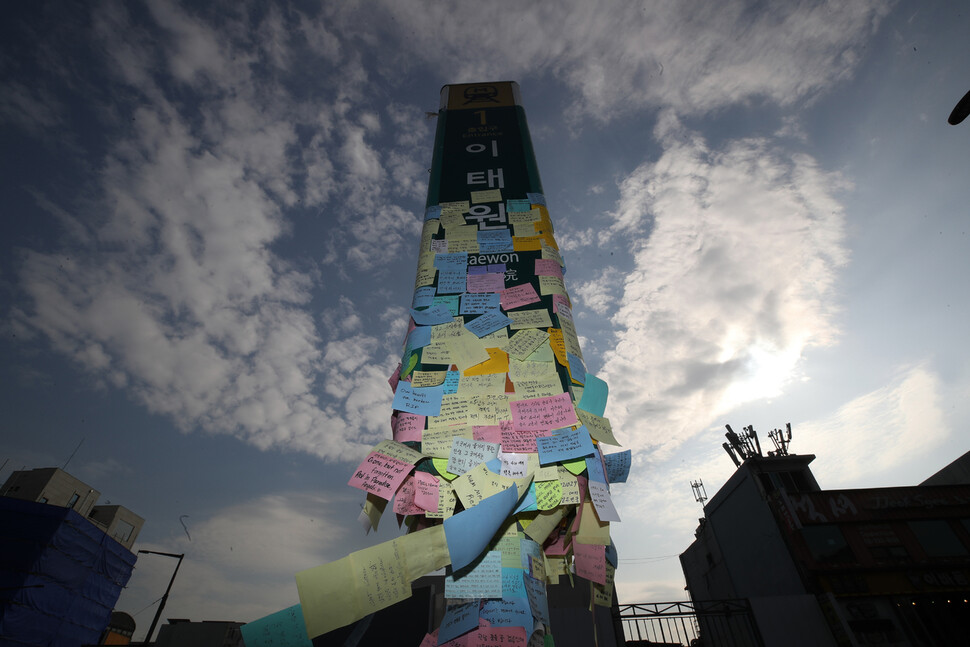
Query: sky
[[210, 228]]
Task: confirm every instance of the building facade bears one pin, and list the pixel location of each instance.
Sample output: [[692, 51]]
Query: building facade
[[887, 566]]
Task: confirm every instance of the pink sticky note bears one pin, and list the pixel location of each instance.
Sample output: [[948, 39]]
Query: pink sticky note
[[557, 299], [548, 267], [498, 636], [407, 426], [489, 282], [404, 498], [395, 377], [519, 442], [590, 561], [426, 491], [487, 433], [543, 414], [519, 295], [557, 546], [380, 475]]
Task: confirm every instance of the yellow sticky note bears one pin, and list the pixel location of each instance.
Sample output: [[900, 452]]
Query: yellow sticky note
[[497, 363], [463, 232], [540, 388], [459, 207], [527, 370], [526, 243], [569, 337], [451, 219], [542, 354], [535, 318], [599, 428], [437, 442], [548, 494], [603, 593], [524, 342], [463, 245], [591, 529], [489, 383], [492, 195], [372, 511], [428, 378], [467, 350], [551, 285], [550, 252], [497, 339], [558, 346], [424, 551], [543, 524], [454, 412], [399, 451]]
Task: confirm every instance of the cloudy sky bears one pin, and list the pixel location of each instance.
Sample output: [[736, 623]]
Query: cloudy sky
[[210, 227]]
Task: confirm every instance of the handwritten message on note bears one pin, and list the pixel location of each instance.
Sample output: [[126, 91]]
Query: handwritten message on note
[[284, 628], [489, 282], [599, 494], [499, 636], [451, 281], [525, 342], [380, 475], [543, 414], [548, 267], [491, 195], [510, 612], [488, 322], [426, 491], [466, 454], [480, 580], [458, 619], [423, 401], [407, 426], [599, 428], [518, 296], [434, 315], [564, 446], [537, 318], [590, 561], [548, 494], [479, 303], [617, 466]]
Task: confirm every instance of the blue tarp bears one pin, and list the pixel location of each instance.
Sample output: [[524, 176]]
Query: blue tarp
[[60, 575]]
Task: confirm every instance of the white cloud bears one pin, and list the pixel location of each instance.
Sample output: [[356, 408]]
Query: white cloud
[[600, 293], [239, 563], [878, 432], [618, 56], [734, 276]]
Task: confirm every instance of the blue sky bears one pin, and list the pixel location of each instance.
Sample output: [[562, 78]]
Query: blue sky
[[210, 230]]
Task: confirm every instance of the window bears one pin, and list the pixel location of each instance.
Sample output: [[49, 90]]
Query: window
[[937, 538], [74, 498], [827, 544], [43, 499], [123, 530]]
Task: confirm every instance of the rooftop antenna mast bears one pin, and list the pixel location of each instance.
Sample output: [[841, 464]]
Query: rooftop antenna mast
[[700, 494], [742, 446], [781, 439]]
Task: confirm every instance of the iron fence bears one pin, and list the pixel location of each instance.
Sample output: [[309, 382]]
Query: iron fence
[[711, 623]]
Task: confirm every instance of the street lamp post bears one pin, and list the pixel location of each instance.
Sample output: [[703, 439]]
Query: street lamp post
[[161, 605]]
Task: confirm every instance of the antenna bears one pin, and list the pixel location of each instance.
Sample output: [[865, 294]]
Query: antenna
[[742, 447], [700, 494], [72, 454], [781, 439]]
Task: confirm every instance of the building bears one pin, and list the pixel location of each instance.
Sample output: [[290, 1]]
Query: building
[[181, 632], [887, 566], [63, 559]]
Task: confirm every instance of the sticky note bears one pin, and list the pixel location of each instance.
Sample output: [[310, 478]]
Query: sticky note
[[469, 531], [519, 295], [458, 619], [564, 446], [594, 468], [508, 612], [536, 198], [419, 337], [617, 466], [426, 491], [456, 261], [481, 579], [577, 370], [432, 212], [466, 454], [423, 297], [451, 281], [518, 205], [590, 561], [535, 318], [492, 195], [452, 379], [548, 267], [488, 322], [434, 315], [284, 627], [551, 285], [380, 475], [525, 342], [479, 303], [407, 426], [599, 493], [488, 282], [497, 363], [594, 395], [536, 591], [599, 428], [548, 494], [421, 379], [449, 301], [543, 414], [424, 401]]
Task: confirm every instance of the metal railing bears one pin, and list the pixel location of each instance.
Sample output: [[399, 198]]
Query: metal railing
[[711, 623]]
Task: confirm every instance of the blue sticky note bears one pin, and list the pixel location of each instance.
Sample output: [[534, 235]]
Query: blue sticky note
[[618, 466], [565, 446], [452, 378], [424, 401], [512, 611], [477, 303], [611, 555], [285, 628], [496, 268], [577, 370], [536, 198], [494, 465], [487, 323], [451, 281], [494, 241], [477, 269], [536, 590], [529, 549], [594, 468], [519, 205], [594, 395], [430, 213], [450, 301], [468, 532], [423, 297], [438, 314], [512, 584], [458, 619], [529, 502], [419, 337], [451, 261], [481, 579]]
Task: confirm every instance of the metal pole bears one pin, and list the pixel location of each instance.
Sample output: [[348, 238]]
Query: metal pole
[[161, 605]]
